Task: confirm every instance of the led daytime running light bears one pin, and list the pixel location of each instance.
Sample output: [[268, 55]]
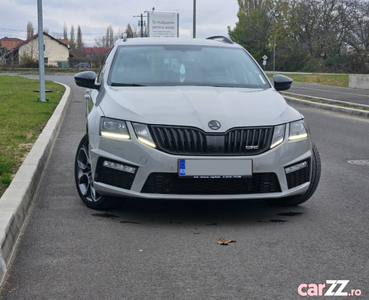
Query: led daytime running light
[[115, 135], [298, 137], [146, 142], [276, 143]]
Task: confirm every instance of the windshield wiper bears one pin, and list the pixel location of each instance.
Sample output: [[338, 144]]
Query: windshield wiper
[[126, 84]]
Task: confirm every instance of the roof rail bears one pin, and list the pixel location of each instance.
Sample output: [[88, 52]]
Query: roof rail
[[221, 38]]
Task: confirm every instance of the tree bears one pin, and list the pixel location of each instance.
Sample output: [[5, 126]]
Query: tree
[[129, 31], [30, 30], [358, 32], [65, 32], [72, 41], [253, 28], [109, 39], [79, 45], [101, 42], [311, 35], [2, 52]]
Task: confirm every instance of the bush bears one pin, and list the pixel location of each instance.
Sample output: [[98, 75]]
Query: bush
[[28, 62]]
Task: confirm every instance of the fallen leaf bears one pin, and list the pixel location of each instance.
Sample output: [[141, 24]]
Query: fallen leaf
[[225, 242]]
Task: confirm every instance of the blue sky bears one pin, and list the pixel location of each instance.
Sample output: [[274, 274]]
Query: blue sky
[[213, 16]]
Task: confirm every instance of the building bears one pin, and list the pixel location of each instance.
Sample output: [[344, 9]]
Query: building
[[10, 43], [96, 54], [56, 52]]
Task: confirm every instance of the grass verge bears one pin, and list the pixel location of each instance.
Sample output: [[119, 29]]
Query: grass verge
[[22, 118], [324, 79]]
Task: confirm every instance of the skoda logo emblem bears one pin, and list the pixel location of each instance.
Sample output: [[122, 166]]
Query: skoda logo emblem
[[214, 124]]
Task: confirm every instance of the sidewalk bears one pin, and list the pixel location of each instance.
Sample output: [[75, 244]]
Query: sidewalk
[[17, 199]]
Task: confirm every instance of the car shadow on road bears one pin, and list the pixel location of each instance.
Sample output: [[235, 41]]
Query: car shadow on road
[[211, 213]]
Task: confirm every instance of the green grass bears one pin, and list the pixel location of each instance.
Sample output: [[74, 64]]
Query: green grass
[[22, 118], [324, 79]]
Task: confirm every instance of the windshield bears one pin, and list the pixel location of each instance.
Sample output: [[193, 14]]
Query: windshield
[[169, 65]]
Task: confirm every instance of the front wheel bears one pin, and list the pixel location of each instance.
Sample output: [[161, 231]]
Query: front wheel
[[315, 178], [84, 181]]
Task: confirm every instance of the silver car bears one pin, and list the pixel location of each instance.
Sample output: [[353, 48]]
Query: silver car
[[191, 119]]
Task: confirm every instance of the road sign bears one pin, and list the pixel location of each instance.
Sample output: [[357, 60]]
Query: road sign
[[163, 24], [265, 57]]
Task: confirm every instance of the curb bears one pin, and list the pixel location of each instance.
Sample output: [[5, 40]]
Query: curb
[[330, 107], [16, 201]]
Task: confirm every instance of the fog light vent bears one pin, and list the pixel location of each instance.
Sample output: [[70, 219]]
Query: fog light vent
[[119, 167], [115, 173], [297, 167], [298, 174]]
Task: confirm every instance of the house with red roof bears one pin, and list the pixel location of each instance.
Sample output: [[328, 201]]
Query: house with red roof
[[10, 43], [56, 51]]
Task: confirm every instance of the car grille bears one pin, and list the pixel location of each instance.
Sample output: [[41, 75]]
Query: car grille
[[113, 177], [170, 183], [193, 141], [299, 177]]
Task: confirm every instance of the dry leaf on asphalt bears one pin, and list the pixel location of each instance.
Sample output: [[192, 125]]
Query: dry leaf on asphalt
[[225, 242]]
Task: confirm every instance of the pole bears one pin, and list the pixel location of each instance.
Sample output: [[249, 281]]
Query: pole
[[194, 18], [41, 62], [142, 28], [274, 56]]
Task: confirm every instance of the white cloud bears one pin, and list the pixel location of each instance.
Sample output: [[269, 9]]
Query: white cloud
[[213, 16]]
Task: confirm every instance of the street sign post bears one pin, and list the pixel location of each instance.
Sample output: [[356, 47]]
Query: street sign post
[[264, 61]]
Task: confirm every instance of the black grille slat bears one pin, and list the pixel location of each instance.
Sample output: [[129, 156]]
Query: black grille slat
[[170, 183], [248, 138], [241, 144], [193, 141], [174, 139]]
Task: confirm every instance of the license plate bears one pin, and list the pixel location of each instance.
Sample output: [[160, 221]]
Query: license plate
[[215, 168]]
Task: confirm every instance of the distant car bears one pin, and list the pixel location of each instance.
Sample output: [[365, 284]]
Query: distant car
[[191, 119], [82, 65]]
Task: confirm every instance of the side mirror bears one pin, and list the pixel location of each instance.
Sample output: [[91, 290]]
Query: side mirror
[[86, 79], [281, 82]]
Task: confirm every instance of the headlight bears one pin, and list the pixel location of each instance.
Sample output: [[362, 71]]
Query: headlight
[[143, 134], [298, 131], [114, 128], [278, 135]]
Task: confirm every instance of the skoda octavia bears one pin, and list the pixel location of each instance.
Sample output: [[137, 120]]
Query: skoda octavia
[[191, 119]]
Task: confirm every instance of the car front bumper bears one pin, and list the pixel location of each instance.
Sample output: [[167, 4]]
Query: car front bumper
[[156, 173]]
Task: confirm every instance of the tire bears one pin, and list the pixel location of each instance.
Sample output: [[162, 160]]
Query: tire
[[315, 178], [84, 182]]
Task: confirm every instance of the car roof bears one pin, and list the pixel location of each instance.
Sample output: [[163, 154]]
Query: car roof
[[219, 42]]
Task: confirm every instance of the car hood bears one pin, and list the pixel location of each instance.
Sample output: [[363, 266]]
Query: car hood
[[196, 106]]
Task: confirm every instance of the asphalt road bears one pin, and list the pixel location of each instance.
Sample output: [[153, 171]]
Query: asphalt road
[[168, 250], [331, 92]]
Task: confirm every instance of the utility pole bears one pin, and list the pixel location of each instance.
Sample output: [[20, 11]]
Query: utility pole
[[274, 55], [142, 23], [41, 61], [194, 18], [141, 16]]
